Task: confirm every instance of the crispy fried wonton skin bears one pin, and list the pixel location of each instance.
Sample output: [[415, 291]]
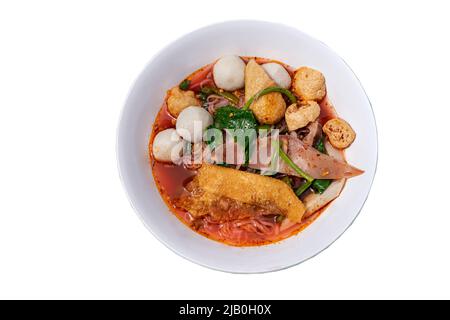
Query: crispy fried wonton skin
[[265, 195], [178, 100]]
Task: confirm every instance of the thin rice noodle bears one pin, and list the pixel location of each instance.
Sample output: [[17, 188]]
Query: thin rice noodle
[[250, 230], [202, 78]]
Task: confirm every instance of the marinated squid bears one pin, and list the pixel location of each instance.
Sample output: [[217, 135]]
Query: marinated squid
[[249, 151]]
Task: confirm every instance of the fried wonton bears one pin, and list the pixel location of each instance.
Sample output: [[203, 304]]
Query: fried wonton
[[252, 192]]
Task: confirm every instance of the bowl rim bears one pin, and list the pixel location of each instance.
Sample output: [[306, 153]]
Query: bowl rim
[[124, 108]]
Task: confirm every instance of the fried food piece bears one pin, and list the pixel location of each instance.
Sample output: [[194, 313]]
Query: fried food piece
[[309, 84], [339, 132], [178, 100], [300, 116], [270, 108], [213, 184]]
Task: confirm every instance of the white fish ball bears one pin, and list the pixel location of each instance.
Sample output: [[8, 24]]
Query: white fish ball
[[229, 73], [192, 122], [167, 145]]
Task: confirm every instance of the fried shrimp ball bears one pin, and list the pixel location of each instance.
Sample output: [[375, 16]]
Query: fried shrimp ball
[[178, 100], [300, 116], [339, 132], [309, 84]]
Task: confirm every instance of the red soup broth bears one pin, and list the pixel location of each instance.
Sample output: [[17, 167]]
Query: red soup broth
[[172, 179]]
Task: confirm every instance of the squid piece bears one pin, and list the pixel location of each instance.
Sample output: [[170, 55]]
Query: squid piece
[[316, 164]]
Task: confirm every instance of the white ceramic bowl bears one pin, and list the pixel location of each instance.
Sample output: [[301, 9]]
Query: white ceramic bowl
[[246, 38]]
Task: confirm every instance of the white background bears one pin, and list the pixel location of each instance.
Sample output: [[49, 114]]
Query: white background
[[66, 227]]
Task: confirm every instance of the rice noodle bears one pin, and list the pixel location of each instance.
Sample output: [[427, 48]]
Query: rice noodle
[[241, 101], [249, 230], [215, 102], [202, 78]]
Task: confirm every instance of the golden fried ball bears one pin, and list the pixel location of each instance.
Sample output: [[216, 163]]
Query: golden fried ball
[[309, 84], [178, 100]]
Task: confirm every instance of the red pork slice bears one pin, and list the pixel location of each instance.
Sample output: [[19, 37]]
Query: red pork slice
[[202, 78], [311, 161], [316, 164], [315, 130]]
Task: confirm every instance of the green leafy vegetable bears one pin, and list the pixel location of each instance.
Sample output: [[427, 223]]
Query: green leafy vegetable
[[287, 180], [264, 127], [229, 117], [227, 95], [320, 146], [321, 185], [184, 85], [268, 90], [203, 96], [303, 188]]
